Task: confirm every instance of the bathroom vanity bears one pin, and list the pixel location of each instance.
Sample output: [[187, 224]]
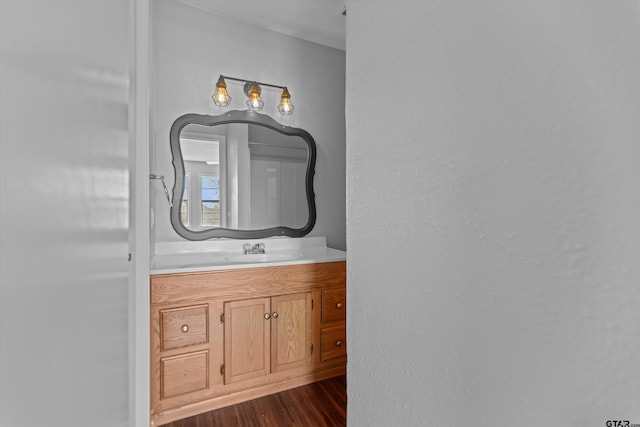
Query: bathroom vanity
[[228, 327], [233, 318]]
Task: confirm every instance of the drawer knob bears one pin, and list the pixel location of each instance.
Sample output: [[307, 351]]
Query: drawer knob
[[339, 305], [275, 315], [338, 343], [267, 316], [185, 328]]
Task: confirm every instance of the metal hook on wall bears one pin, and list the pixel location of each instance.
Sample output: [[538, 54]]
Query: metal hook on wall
[[166, 190]]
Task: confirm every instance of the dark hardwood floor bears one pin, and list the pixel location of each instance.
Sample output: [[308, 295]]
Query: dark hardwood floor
[[321, 404]]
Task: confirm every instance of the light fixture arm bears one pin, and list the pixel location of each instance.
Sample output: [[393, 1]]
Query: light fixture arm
[[252, 81]]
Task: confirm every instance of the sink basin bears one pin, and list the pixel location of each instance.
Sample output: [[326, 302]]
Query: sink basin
[[268, 257]]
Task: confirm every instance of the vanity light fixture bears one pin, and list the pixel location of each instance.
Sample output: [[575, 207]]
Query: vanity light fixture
[[253, 91]]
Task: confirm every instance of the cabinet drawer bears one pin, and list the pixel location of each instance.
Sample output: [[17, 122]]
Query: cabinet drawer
[[184, 373], [333, 341], [334, 305], [180, 327]]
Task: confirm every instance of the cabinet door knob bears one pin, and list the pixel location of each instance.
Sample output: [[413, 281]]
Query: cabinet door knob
[[275, 315], [185, 328], [267, 316], [339, 305], [338, 343]]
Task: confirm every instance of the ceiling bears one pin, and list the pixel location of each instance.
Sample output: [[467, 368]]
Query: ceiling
[[319, 21]]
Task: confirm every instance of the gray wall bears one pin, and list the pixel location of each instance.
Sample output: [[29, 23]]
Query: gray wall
[[497, 282], [191, 48], [64, 85]]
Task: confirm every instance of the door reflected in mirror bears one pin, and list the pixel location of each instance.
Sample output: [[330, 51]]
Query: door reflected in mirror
[[242, 176], [200, 204]]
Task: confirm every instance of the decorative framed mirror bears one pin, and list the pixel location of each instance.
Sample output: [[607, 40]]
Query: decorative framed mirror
[[241, 175]]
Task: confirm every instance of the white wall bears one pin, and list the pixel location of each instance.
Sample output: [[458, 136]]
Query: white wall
[[494, 267], [63, 213], [191, 48]]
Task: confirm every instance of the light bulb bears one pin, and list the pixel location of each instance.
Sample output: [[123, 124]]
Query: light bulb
[[254, 102], [221, 97], [285, 107]]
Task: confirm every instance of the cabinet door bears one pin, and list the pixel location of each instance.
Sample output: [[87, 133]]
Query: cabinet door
[[290, 331], [246, 339]]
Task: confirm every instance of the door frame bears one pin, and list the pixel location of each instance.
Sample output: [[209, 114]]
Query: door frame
[[139, 235]]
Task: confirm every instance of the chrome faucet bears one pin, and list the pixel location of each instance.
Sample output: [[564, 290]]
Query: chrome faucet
[[257, 248]]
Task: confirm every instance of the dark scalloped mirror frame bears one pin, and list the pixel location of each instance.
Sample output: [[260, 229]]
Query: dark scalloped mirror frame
[[237, 116]]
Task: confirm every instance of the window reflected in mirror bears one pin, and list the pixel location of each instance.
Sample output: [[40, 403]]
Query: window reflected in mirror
[[210, 201], [184, 204]]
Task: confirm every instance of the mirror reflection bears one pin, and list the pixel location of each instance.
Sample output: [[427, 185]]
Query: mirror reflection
[[243, 176], [259, 184], [200, 204]]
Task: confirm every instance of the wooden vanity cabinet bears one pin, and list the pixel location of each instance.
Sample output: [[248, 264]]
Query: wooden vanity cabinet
[[333, 325], [223, 337], [265, 335]]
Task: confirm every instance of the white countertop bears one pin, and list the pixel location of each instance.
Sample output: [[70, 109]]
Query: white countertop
[[186, 257]]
